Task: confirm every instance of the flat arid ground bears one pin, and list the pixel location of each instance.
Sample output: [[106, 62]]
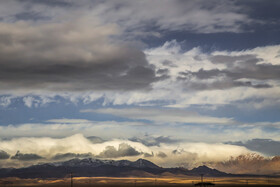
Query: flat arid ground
[[111, 181]]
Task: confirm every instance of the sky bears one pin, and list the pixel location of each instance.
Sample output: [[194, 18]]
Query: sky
[[178, 82]]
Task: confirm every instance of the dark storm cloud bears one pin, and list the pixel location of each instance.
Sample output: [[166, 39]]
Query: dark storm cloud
[[4, 155], [60, 156], [237, 67], [71, 57], [26, 157], [123, 150], [154, 141], [266, 146]]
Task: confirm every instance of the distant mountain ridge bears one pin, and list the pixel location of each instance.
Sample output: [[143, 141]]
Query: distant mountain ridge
[[90, 167], [140, 163], [251, 163]]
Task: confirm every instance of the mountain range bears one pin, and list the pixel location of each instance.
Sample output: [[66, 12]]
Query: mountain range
[[250, 163], [90, 167]]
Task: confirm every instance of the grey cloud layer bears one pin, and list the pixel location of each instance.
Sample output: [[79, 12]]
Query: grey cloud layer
[[194, 16], [197, 16], [137, 17], [69, 57]]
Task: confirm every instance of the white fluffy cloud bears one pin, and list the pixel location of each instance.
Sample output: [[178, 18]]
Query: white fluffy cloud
[[222, 86]]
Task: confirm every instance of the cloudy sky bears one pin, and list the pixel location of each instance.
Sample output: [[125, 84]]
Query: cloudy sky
[[178, 82]]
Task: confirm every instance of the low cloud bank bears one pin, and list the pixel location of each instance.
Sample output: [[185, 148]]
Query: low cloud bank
[[224, 157], [28, 151]]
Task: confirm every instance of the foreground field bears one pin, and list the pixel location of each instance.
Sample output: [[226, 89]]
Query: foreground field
[[163, 181]]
